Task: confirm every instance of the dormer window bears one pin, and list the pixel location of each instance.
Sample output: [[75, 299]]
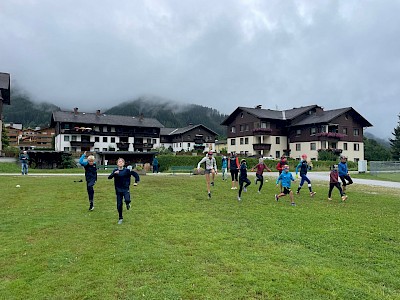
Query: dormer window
[[241, 115]]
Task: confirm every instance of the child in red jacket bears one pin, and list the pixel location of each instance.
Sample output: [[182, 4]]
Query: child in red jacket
[[334, 182]]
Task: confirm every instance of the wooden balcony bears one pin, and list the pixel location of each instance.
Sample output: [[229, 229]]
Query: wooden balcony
[[261, 146], [262, 131], [82, 144]]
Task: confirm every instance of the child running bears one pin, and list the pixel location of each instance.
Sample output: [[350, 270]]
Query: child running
[[210, 168], [304, 166], [90, 175], [280, 165], [334, 182], [122, 181], [286, 179], [261, 166], [243, 178], [344, 172], [233, 166], [224, 167]]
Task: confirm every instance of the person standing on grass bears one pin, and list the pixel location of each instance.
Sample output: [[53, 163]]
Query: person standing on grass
[[304, 166], [344, 172], [233, 166], [243, 178], [334, 182], [122, 181], [280, 165], [210, 168], [260, 167], [24, 159], [90, 175], [224, 167], [286, 179], [155, 164]]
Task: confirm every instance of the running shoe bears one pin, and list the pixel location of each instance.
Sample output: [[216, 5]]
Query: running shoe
[[293, 204], [91, 207], [209, 195], [344, 197], [312, 194], [330, 199], [120, 221], [128, 206], [212, 183], [276, 197], [239, 199]]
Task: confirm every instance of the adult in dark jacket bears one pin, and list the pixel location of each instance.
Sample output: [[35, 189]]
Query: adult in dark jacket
[[90, 175], [122, 181]]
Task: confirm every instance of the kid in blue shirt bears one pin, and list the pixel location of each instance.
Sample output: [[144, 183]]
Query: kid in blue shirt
[[90, 175], [344, 172], [303, 167], [286, 179]]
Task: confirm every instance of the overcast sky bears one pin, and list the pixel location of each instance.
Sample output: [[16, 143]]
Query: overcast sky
[[222, 54]]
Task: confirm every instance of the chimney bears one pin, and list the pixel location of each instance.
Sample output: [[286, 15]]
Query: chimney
[[75, 111], [98, 113], [283, 115]]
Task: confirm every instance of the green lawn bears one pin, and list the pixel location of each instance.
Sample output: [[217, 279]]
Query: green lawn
[[379, 176], [176, 244]]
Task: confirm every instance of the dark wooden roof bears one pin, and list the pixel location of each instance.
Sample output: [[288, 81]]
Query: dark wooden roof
[[176, 131], [5, 87], [329, 115], [103, 119], [269, 113]]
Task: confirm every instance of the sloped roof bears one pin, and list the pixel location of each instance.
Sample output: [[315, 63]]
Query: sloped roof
[[5, 87], [103, 119], [329, 115], [176, 131], [270, 114]]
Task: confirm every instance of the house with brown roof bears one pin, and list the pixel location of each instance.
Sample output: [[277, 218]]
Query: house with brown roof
[[296, 131], [189, 138]]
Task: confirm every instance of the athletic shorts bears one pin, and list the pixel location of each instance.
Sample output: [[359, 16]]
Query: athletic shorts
[[208, 171], [286, 190]]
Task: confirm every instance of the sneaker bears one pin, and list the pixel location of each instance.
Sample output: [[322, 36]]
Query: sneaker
[[312, 194], [120, 221], [293, 204], [209, 195], [298, 193], [128, 206], [330, 199], [235, 187], [135, 184], [212, 183], [276, 197], [239, 199], [245, 189], [232, 188], [259, 192], [91, 207], [344, 198]]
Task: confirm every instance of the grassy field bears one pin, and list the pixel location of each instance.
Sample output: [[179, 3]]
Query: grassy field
[[380, 176], [176, 244]]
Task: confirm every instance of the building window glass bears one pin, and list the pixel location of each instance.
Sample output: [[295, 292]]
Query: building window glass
[[298, 132], [241, 128], [241, 115], [278, 140], [233, 129], [96, 139], [246, 141], [313, 130], [344, 131], [233, 142], [73, 138], [188, 145], [246, 127], [356, 132], [298, 147], [66, 139], [66, 149], [356, 147], [277, 154], [345, 146], [113, 140], [104, 149], [241, 141], [105, 139], [313, 146]]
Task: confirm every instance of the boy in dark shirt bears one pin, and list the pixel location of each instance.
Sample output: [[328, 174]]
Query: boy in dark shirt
[[122, 181], [90, 175], [243, 178]]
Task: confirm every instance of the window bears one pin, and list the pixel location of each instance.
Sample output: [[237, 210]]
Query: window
[[356, 147], [104, 128], [344, 131], [323, 128], [154, 141], [356, 132], [277, 154], [277, 140], [73, 149], [345, 146], [113, 140], [241, 141], [112, 149], [66, 139], [298, 132], [73, 138], [313, 146], [241, 115], [188, 145], [66, 149], [313, 130], [246, 127], [246, 141], [233, 141], [96, 149], [96, 139], [346, 116], [105, 139], [298, 147], [105, 149], [233, 129], [241, 128]]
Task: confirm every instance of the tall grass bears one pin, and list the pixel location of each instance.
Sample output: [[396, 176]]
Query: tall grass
[[176, 244]]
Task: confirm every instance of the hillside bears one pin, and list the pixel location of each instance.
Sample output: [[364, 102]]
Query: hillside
[[30, 114], [172, 114]]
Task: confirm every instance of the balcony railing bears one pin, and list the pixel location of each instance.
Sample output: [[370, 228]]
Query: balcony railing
[[262, 131], [331, 135], [81, 144], [123, 146], [261, 146]]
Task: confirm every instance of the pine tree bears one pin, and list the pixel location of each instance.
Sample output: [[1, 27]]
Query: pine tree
[[395, 142], [4, 137]]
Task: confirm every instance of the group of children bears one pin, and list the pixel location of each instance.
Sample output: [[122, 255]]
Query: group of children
[[122, 180], [284, 180]]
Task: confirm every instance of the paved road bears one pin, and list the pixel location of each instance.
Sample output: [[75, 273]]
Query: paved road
[[319, 176]]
